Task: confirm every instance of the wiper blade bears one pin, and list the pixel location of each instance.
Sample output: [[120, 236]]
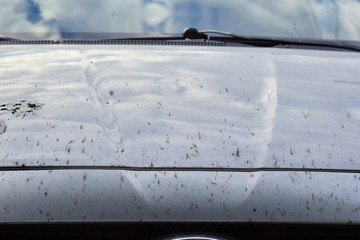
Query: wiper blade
[[4, 39], [193, 33], [145, 38]]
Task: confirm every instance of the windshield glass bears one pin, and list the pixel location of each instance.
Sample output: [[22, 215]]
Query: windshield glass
[[316, 19]]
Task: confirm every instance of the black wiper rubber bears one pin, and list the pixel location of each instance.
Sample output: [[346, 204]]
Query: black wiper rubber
[[193, 33], [5, 39], [165, 38]]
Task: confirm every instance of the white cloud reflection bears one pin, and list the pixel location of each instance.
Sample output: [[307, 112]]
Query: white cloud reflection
[[13, 18], [311, 19], [93, 15]]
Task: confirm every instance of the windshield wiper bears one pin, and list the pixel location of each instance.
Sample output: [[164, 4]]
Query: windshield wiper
[[190, 34], [5, 39], [193, 33]]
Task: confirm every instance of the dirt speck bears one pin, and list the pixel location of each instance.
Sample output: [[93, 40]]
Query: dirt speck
[[21, 108], [237, 154], [32, 105], [2, 127]]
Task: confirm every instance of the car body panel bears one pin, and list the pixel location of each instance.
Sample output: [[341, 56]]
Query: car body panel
[[123, 196], [192, 107], [178, 133]]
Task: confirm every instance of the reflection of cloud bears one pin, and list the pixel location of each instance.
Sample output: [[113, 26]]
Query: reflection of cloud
[[94, 16], [267, 18], [349, 19], [258, 18], [14, 17], [155, 13]]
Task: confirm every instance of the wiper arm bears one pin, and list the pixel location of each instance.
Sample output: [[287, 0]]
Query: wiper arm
[[193, 33]]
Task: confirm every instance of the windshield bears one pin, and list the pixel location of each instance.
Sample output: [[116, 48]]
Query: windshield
[[315, 19]]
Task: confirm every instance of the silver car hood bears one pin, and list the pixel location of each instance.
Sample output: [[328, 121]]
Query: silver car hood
[[179, 107]]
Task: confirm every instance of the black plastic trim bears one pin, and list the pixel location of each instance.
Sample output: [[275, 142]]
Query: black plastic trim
[[174, 169], [164, 230]]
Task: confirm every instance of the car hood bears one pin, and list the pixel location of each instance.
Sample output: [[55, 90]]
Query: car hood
[[179, 107]]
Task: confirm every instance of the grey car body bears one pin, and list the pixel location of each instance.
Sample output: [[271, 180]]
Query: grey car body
[[177, 142], [178, 132]]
